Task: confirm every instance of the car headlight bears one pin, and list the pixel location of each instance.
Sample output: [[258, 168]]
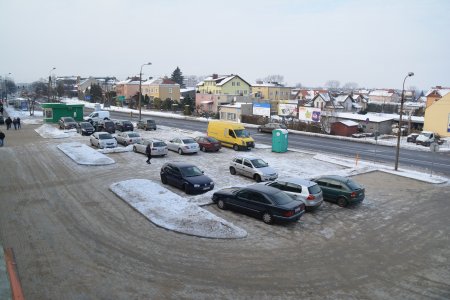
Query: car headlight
[[196, 185], [211, 183]]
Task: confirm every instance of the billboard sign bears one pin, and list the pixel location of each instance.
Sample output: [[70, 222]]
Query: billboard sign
[[261, 109], [310, 114], [285, 109]]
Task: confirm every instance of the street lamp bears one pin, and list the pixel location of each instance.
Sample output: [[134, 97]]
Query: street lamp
[[6, 89], [140, 82], [49, 82], [399, 133]]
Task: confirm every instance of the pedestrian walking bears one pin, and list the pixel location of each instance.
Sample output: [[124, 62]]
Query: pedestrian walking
[[8, 122], [2, 138], [148, 151], [18, 123], [15, 123]]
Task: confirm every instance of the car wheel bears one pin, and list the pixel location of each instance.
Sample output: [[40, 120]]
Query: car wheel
[[134, 149], [235, 147], [180, 151], [202, 149], [257, 178], [221, 204], [163, 179], [92, 144], [186, 188], [232, 171], [342, 202], [267, 218]]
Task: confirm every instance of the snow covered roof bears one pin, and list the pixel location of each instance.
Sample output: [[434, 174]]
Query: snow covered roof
[[341, 98], [441, 92], [381, 93], [235, 105], [376, 118], [348, 123]]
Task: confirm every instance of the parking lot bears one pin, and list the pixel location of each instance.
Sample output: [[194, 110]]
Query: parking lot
[[74, 239]]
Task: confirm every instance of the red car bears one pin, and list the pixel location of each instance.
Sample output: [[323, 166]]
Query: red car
[[208, 143]]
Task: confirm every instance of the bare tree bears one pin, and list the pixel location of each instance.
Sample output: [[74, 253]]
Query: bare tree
[[298, 85], [274, 78], [332, 84], [350, 86]]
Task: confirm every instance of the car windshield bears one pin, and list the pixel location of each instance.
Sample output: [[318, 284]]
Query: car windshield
[[242, 133], [426, 134], [353, 185], [259, 163], [86, 125], [211, 139], [105, 136], [314, 189], [191, 171], [188, 141], [159, 144], [126, 123], [69, 120], [281, 198], [132, 134], [150, 122]]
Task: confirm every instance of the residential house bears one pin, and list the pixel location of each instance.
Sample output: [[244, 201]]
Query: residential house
[[435, 94], [107, 84], [69, 83], [325, 102], [233, 112], [162, 88], [384, 96], [344, 101], [437, 116], [359, 102], [127, 89], [274, 93], [221, 89]]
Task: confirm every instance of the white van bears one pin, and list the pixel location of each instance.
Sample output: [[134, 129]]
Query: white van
[[96, 116]]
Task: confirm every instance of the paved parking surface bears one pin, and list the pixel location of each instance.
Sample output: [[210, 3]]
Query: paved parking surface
[[74, 239]]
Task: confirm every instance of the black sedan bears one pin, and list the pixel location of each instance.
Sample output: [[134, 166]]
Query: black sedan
[[124, 125], [186, 176], [262, 201], [67, 123], [85, 128]]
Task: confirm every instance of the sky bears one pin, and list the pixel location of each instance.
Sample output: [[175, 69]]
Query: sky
[[371, 43]]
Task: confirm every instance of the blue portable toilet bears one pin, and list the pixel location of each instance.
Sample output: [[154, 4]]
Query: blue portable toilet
[[279, 140]]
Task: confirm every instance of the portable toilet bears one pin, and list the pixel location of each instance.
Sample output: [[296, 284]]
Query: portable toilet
[[279, 140]]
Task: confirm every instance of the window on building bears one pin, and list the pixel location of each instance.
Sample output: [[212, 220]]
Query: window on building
[[170, 90], [232, 84], [238, 83], [231, 116]]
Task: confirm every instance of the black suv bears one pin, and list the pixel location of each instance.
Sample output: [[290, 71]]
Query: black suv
[[85, 128], [105, 125], [147, 124], [123, 125]]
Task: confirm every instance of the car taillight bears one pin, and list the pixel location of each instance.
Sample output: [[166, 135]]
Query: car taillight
[[310, 197], [353, 195], [289, 213]]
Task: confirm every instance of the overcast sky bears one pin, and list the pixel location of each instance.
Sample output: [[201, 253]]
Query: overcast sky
[[372, 43]]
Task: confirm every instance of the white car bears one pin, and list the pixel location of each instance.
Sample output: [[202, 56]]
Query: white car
[[159, 148], [309, 192], [102, 140], [128, 137], [183, 145], [253, 167]]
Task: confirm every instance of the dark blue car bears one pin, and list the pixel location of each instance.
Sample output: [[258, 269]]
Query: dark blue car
[[262, 201], [186, 176]]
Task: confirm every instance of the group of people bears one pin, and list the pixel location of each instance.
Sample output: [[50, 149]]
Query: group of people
[[15, 122]]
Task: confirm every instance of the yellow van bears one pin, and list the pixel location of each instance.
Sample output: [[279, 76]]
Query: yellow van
[[231, 135]]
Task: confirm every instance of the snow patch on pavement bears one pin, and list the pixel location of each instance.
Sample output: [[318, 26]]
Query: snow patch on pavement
[[85, 155], [170, 211]]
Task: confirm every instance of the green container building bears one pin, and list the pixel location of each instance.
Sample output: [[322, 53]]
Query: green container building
[[54, 111], [279, 140]]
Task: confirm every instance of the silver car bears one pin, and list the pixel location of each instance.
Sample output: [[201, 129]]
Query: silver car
[[159, 148], [102, 140], [252, 167], [128, 137], [183, 145], [309, 192]]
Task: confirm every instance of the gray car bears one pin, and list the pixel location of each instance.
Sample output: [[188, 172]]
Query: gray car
[[309, 192], [159, 148], [269, 127], [128, 137], [253, 167]]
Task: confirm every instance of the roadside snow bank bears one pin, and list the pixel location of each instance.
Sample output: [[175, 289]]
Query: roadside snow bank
[[50, 132], [84, 155], [170, 211]]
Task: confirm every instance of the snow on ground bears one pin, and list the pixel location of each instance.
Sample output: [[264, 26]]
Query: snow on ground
[[192, 219], [171, 211]]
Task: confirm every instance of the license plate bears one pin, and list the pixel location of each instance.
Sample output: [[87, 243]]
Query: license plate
[[206, 188], [297, 209]]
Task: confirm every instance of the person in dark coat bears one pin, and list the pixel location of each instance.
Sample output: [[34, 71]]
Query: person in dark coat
[[15, 123], [18, 123], [148, 151], [2, 138], [8, 122]]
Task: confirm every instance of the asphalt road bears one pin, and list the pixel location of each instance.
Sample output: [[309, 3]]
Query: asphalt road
[[437, 163], [74, 239]]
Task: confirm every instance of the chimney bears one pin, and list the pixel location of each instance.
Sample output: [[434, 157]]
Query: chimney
[[215, 76]]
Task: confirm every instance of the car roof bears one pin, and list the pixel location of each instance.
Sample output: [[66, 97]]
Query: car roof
[[263, 188], [298, 180], [247, 156], [180, 164], [335, 177]]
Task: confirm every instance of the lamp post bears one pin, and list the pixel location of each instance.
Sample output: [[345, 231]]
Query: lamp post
[[50, 82], [140, 83], [399, 133], [6, 88]]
